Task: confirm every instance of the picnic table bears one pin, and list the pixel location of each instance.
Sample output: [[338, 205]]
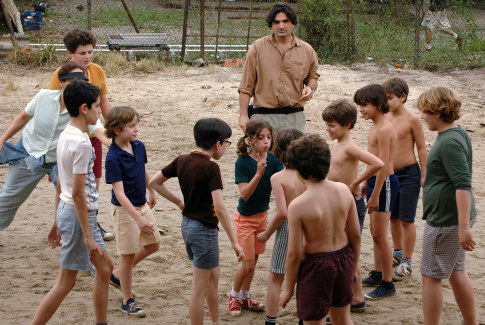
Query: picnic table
[[123, 41]]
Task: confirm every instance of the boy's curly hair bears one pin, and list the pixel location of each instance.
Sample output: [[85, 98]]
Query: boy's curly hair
[[77, 37], [117, 118], [441, 100], [310, 156], [341, 111]]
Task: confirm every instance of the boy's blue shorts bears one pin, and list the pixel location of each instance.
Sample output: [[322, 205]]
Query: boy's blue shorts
[[407, 198], [74, 253], [361, 211], [388, 194], [201, 243]]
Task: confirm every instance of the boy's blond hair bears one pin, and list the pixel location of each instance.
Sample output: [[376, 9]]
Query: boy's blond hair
[[118, 117], [441, 100]]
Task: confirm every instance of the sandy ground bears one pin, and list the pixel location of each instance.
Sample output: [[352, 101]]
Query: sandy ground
[[170, 102]]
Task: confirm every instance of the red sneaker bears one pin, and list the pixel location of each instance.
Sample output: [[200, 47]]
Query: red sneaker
[[234, 306], [251, 304]]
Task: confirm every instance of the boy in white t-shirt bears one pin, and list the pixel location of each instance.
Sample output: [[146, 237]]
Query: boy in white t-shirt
[[76, 206]]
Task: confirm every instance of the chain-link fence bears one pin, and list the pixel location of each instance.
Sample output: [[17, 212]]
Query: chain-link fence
[[341, 31]]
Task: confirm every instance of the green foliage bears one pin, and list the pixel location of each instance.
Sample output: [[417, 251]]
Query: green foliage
[[343, 31], [324, 24]]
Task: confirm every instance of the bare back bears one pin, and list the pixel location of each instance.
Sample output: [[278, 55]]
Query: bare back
[[324, 211], [292, 186], [382, 142]]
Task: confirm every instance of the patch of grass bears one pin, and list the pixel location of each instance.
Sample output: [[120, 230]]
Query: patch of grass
[[149, 64], [113, 63], [37, 58], [117, 16], [9, 85]]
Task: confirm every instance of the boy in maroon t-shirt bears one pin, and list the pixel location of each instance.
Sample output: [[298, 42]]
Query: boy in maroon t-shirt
[[202, 209]]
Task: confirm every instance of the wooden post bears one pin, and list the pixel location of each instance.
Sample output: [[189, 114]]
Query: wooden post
[[184, 29], [10, 28], [218, 29], [416, 33], [202, 28], [129, 16], [89, 15]]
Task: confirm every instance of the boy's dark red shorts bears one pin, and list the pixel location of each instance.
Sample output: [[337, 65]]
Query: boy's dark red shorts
[[324, 280], [98, 162]]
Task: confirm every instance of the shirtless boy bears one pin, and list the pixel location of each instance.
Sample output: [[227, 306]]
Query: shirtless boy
[[340, 117], [324, 238], [380, 189], [409, 133]]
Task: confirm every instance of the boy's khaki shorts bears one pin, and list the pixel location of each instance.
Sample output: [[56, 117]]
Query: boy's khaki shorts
[[129, 238]]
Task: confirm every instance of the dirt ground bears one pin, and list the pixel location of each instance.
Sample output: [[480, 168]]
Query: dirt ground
[[170, 102]]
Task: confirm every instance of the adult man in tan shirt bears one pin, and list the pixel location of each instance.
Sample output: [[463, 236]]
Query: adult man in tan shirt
[[280, 73]]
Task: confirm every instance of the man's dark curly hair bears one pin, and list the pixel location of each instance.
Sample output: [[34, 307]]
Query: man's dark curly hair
[[281, 7]]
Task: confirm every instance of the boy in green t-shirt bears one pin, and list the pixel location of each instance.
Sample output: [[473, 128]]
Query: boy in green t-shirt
[[448, 207]]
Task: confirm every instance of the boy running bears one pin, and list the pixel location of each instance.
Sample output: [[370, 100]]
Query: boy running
[[77, 206], [409, 133]]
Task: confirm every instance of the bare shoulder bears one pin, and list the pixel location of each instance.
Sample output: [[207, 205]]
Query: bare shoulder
[[340, 187], [352, 148]]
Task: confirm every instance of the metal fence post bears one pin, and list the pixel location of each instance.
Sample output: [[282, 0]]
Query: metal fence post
[[416, 33]]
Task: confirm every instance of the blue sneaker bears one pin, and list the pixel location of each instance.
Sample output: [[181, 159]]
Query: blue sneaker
[[373, 280], [114, 281], [384, 290], [132, 309]]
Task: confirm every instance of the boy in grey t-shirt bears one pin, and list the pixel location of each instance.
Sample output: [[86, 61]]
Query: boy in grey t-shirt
[[76, 206]]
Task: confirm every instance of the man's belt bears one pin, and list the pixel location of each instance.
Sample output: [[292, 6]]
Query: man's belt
[[280, 110]]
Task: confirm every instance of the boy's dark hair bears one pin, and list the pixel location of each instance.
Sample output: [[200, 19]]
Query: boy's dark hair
[[374, 94], [310, 156], [396, 86], [341, 111], [67, 68], [79, 92], [117, 118], [254, 126], [441, 100], [209, 131], [283, 139], [281, 7], [77, 37]]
